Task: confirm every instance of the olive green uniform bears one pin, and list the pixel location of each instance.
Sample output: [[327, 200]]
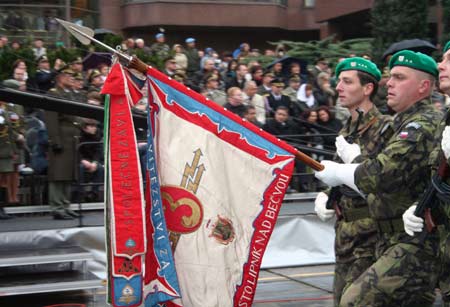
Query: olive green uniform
[[405, 272], [62, 129], [356, 233]]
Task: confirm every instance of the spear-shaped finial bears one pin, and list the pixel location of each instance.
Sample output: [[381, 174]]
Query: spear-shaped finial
[[86, 35]]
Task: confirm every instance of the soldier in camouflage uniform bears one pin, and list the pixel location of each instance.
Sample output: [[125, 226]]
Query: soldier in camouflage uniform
[[406, 270], [356, 233], [441, 212]]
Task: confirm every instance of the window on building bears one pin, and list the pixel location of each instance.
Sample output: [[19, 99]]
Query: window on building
[[309, 3]]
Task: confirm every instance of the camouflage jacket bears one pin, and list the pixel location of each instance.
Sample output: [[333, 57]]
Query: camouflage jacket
[[355, 239], [398, 175]]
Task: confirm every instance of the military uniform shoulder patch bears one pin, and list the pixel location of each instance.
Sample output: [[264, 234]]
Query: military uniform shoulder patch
[[409, 131], [413, 125]]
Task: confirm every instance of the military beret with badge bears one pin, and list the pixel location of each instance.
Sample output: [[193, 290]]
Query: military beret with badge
[[360, 64], [415, 60]]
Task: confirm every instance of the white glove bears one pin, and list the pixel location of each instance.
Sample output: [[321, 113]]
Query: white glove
[[335, 174], [346, 151], [320, 207], [412, 223], [445, 142]]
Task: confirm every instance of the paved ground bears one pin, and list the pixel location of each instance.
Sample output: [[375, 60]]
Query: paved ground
[[287, 287]]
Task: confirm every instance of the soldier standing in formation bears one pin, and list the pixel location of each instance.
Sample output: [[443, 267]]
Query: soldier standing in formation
[[406, 269], [356, 233], [62, 129]]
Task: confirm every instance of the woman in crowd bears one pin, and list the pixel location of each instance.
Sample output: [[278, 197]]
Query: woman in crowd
[[331, 125]]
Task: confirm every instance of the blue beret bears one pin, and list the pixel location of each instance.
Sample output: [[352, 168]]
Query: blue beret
[[159, 35], [190, 40]]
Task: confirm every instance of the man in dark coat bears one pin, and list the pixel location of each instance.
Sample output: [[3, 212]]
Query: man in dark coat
[[192, 55]]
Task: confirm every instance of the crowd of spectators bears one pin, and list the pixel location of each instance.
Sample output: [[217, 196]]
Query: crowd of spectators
[[301, 107]]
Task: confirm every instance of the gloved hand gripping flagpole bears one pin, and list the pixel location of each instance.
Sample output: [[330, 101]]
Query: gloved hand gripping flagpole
[[85, 36]]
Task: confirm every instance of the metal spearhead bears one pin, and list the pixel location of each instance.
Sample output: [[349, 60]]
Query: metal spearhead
[[86, 35]]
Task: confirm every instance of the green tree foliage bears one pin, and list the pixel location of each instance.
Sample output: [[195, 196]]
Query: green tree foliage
[[396, 20], [327, 48]]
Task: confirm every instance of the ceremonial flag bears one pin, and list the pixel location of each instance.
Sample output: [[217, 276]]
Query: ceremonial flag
[[222, 183]]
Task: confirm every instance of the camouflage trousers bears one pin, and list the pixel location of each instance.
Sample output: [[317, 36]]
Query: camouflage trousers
[[405, 274], [444, 276], [346, 273]]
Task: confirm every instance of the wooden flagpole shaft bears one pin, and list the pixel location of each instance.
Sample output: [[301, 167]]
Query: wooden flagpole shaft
[[315, 165]]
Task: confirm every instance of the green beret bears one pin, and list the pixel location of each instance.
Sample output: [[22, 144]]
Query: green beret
[[414, 60], [361, 64], [447, 46]]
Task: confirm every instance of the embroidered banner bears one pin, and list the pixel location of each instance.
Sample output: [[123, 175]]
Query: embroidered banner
[[125, 203], [222, 184]]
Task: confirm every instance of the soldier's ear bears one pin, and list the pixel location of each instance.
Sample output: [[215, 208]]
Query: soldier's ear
[[425, 86], [368, 89]]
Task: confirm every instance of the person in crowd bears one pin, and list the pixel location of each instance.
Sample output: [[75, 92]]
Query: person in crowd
[[240, 77], [130, 45], [323, 93], [170, 66], [95, 81], [160, 47], [210, 54], [62, 129], [250, 116], [199, 77], [251, 98], [79, 93], [330, 125], [91, 157], [277, 70], [140, 45], [77, 65], [265, 88], [180, 58], [230, 72], [20, 63], [235, 102], [291, 91], [276, 99], [192, 56], [305, 98], [12, 142], [321, 65], [103, 68], [257, 72], [281, 123], [45, 77], [212, 91], [39, 49], [94, 98], [15, 46]]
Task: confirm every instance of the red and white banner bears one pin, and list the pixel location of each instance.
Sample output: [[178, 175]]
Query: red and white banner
[[222, 185]]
